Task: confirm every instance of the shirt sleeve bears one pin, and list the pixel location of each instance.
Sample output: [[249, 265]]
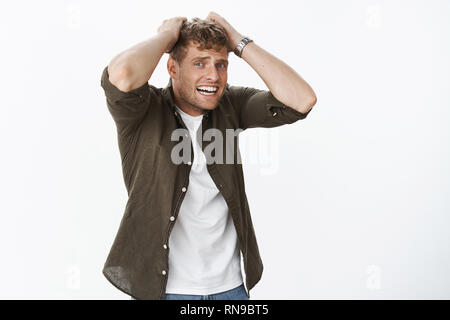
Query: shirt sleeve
[[259, 108], [128, 109]]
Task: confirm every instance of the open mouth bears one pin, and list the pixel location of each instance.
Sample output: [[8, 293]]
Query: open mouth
[[207, 91]]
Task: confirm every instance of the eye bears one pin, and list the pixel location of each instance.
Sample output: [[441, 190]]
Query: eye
[[197, 63], [221, 64]]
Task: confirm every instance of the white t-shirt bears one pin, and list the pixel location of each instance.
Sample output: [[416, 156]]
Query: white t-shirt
[[204, 256]]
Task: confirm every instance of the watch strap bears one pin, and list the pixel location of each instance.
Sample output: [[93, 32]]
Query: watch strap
[[240, 46]]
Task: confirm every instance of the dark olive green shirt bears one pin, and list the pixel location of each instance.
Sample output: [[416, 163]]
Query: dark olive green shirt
[[145, 117]]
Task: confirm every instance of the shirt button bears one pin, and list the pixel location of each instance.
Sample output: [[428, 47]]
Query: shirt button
[[164, 272], [274, 114], [175, 113], [172, 218], [189, 163], [165, 246], [183, 189]]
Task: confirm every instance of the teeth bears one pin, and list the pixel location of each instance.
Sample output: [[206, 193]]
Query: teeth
[[207, 93], [210, 89]]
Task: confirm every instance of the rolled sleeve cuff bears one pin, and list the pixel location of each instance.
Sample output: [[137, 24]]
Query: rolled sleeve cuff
[[283, 112], [115, 94]]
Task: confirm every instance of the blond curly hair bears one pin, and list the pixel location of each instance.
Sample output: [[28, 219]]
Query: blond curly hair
[[205, 34]]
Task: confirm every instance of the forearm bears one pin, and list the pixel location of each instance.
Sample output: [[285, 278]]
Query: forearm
[[134, 67], [284, 83]]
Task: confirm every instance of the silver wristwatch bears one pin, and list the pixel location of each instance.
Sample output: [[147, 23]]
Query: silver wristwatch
[[240, 46]]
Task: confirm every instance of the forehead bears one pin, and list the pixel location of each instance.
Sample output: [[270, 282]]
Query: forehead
[[193, 52]]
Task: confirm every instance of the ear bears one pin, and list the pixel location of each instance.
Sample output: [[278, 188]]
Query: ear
[[172, 67]]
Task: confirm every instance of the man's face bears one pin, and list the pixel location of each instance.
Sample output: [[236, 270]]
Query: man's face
[[200, 79]]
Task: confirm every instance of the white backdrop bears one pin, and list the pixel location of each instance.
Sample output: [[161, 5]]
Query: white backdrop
[[349, 203]]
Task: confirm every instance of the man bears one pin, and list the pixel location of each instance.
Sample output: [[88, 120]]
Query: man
[[186, 223]]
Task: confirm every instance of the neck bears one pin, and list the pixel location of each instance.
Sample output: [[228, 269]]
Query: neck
[[192, 111]]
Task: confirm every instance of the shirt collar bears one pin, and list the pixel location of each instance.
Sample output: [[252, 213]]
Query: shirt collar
[[169, 95]]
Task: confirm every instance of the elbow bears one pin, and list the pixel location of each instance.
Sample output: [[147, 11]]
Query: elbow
[[313, 102], [306, 107], [119, 76]]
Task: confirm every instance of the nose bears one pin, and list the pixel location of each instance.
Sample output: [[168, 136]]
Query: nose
[[212, 73]]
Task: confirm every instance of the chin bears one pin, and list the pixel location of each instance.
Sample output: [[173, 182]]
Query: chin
[[211, 107]]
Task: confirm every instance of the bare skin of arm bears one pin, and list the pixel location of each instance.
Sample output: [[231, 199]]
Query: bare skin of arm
[[285, 84], [132, 68]]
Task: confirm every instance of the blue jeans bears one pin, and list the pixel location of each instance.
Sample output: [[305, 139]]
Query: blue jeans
[[237, 293]]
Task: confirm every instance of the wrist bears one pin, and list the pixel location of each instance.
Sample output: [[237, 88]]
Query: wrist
[[241, 45], [236, 39], [169, 38]]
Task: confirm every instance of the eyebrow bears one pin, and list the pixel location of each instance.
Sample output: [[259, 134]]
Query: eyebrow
[[206, 58]]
